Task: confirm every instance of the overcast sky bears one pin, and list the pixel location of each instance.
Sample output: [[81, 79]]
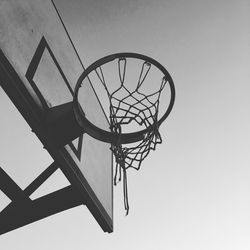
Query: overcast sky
[[193, 192]]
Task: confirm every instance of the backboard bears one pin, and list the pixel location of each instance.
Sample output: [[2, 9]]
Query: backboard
[[39, 68]]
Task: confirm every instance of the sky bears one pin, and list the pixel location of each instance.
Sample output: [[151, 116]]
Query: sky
[[193, 192]]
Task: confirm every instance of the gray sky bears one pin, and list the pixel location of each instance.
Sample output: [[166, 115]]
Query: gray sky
[[193, 192]]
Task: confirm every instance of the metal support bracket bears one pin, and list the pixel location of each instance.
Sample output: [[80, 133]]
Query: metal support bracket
[[62, 125], [22, 210]]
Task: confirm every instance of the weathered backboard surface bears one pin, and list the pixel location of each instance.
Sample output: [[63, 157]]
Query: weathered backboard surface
[[42, 67]]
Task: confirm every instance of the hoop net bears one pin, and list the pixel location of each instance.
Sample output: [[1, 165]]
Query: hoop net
[[134, 107]]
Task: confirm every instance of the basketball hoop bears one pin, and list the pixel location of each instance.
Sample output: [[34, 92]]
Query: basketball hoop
[[128, 106]]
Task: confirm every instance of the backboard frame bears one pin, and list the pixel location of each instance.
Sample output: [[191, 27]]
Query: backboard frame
[[20, 96], [12, 85]]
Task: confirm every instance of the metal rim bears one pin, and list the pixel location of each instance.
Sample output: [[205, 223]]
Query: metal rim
[[107, 136]]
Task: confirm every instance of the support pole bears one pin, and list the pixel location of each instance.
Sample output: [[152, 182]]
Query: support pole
[[20, 214], [11, 189], [22, 210], [41, 179]]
